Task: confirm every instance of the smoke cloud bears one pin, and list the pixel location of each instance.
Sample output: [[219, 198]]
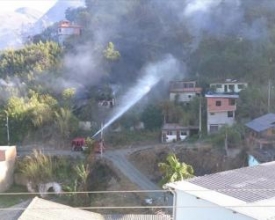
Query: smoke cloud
[[152, 74]]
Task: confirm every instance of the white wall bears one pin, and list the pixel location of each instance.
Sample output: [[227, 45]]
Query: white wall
[[219, 118], [188, 207], [183, 97], [222, 89]]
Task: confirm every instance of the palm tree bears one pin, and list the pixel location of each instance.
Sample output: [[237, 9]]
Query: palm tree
[[174, 170]]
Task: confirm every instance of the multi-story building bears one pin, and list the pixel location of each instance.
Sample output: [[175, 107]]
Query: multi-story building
[[66, 29], [183, 91], [220, 111], [221, 103]]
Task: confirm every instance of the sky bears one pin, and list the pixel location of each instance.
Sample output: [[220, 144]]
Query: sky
[[40, 5]]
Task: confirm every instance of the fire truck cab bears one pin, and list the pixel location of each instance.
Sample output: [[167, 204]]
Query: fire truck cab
[[79, 144]]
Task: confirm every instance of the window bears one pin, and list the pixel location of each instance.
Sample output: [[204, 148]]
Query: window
[[212, 113], [189, 96], [219, 86], [169, 133], [213, 128], [232, 101], [230, 114], [183, 133], [231, 88], [218, 103]]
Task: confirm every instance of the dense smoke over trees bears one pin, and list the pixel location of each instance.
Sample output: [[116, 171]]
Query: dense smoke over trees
[[210, 39]]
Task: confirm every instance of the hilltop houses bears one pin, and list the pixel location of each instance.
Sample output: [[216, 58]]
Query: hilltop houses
[[66, 29]]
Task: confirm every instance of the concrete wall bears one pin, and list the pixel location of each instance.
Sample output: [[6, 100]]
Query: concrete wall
[[225, 87], [8, 157], [220, 119], [182, 97], [189, 207]]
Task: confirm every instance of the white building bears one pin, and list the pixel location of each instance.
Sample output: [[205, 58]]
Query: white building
[[174, 132], [241, 194], [228, 86], [183, 91]]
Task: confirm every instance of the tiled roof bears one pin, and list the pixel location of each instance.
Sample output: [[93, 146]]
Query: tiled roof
[[262, 123], [249, 184]]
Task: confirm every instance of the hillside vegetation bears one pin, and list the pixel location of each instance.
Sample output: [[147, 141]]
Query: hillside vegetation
[[46, 89]]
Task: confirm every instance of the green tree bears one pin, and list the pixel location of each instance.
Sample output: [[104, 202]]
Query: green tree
[[174, 170], [110, 53], [152, 118]]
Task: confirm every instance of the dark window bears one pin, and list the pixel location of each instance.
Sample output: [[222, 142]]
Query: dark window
[[232, 102], [230, 114], [183, 133], [231, 88], [240, 86], [218, 103], [214, 128], [218, 86], [212, 113], [189, 96]]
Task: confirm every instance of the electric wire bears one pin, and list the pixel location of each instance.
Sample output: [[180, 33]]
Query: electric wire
[[136, 191]]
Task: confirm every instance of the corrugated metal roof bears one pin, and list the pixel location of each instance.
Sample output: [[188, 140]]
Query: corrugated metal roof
[[262, 123], [137, 217], [249, 184]]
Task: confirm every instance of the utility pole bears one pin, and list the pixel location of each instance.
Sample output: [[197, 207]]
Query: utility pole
[[200, 118], [8, 129], [269, 95], [101, 140]]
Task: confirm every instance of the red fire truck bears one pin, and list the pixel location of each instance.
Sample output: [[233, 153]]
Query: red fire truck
[[79, 144]]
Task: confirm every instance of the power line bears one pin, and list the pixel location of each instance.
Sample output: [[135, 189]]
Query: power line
[[135, 191]]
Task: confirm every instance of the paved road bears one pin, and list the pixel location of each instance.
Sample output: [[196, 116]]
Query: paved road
[[119, 159]]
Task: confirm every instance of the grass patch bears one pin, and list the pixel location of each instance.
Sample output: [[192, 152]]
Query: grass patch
[[10, 200], [133, 138]]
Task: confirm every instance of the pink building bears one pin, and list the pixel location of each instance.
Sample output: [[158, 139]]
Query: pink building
[[220, 111]]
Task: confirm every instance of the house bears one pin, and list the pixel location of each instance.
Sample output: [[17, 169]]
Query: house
[[183, 91], [262, 131], [221, 103], [106, 103], [228, 86], [66, 29], [221, 110], [7, 162], [241, 194], [175, 132], [41, 209]]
